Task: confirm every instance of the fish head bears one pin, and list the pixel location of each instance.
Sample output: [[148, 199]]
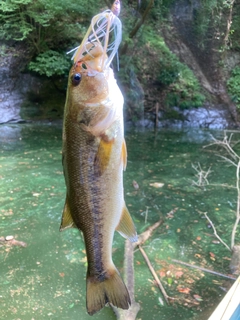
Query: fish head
[[88, 83], [91, 80]]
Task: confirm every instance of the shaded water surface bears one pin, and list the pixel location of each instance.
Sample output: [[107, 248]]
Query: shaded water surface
[[46, 279]]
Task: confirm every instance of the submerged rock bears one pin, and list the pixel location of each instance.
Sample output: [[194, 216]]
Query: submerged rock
[[8, 238], [11, 241]]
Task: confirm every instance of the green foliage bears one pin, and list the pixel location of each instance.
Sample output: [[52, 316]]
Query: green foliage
[[174, 79], [50, 63], [235, 29], [3, 51], [40, 21], [206, 18], [211, 20], [161, 9], [13, 24], [46, 25], [169, 68], [185, 92], [233, 85]]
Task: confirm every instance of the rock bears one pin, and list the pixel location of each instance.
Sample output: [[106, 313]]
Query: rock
[[24, 96], [133, 98], [13, 93], [10, 241], [10, 108], [204, 117], [8, 238], [135, 185]]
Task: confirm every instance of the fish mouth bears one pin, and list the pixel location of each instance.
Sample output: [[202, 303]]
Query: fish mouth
[[101, 41]]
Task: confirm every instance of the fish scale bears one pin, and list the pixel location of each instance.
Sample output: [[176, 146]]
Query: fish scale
[[87, 196]]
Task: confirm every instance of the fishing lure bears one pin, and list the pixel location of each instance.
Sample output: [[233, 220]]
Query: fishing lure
[[105, 30]]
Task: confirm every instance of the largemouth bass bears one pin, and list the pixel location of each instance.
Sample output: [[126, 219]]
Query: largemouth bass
[[94, 156]]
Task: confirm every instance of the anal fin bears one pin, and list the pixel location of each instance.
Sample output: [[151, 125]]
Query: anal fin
[[126, 226], [67, 220]]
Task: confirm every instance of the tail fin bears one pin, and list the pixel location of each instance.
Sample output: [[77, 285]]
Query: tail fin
[[109, 287]]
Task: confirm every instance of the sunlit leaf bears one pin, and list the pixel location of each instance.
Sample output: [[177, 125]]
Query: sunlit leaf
[[197, 297], [178, 274], [157, 184], [184, 290]]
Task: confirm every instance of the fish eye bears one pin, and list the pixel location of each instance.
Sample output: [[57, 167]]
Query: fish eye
[[76, 79]]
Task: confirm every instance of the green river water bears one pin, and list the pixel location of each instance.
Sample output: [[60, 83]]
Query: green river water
[[46, 279]]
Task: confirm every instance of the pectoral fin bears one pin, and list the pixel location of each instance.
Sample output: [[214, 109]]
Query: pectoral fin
[[103, 155], [126, 226], [67, 220], [101, 122]]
